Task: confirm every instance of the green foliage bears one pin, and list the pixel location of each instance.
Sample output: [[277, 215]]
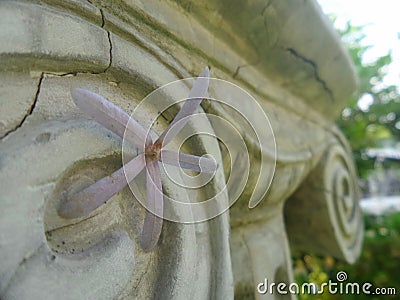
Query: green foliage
[[378, 264], [379, 261], [371, 127], [376, 126]]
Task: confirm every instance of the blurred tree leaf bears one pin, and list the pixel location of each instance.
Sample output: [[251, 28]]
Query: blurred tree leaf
[[375, 125], [378, 264]]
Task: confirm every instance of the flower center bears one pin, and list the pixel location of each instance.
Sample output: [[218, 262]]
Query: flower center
[[153, 152]]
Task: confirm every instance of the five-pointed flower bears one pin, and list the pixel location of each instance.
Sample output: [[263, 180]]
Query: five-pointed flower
[[118, 121]]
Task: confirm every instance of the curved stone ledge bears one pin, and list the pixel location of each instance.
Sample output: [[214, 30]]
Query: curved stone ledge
[[290, 42], [39, 37]]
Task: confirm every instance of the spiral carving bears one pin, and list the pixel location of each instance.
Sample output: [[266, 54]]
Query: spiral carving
[[324, 215]]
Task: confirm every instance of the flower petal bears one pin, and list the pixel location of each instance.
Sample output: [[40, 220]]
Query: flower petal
[[90, 198], [187, 161], [153, 221], [196, 95], [109, 115]]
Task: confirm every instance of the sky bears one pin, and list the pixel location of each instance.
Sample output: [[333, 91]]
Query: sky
[[382, 29]]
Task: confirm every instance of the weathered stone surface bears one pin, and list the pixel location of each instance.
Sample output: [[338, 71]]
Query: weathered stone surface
[[327, 195], [262, 250], [291, 42], [29, 221], [39, 37], [18, 91], [284, 53]]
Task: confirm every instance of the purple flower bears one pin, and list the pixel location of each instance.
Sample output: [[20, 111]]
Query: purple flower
[[116, 120]]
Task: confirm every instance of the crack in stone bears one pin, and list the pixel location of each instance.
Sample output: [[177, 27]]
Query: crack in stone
[[74, 73], [266, 7], [102, 25], [144, 274], [30, 110], [244, 66], [27, 257], [315, 68], [111, 49], [103, 22], [237, 71], [64, 74], [69, 225]]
